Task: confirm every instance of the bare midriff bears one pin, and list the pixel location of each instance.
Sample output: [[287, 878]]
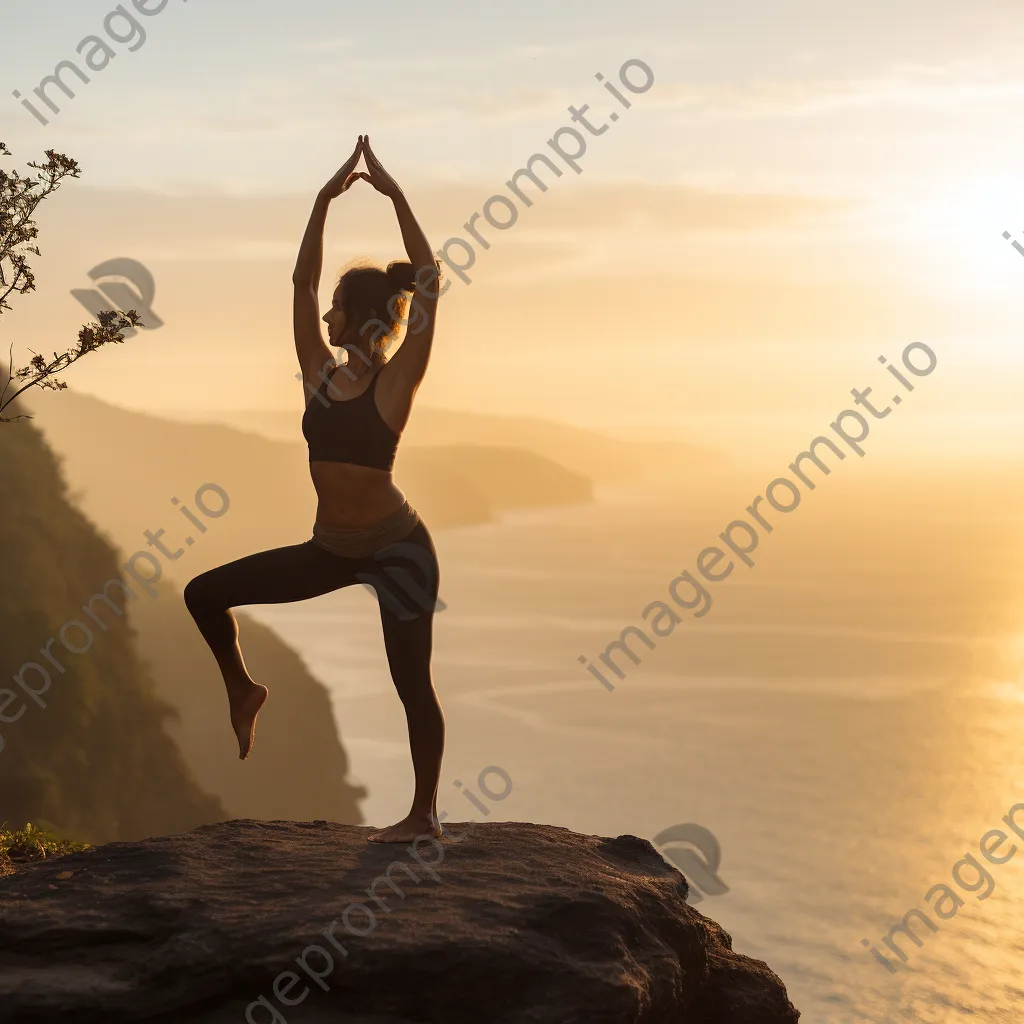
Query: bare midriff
[[353, 496]]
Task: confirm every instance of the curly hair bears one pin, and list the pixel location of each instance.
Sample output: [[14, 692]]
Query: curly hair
[[372, 296]]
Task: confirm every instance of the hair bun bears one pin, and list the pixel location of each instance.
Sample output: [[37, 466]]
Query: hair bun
[[401, 275]]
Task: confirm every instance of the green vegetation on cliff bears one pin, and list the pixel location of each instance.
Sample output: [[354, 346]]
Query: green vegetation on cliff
[[31, 843], [96, 761]]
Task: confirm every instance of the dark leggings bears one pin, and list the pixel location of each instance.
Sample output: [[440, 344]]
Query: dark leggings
[[404, 576]]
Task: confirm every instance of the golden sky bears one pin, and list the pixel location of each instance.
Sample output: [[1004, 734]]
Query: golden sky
[[803, 188]]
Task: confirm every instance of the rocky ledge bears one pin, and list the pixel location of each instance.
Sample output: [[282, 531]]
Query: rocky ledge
[[272, 922]]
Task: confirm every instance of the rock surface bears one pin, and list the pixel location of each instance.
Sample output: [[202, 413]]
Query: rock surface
[[501, 923]]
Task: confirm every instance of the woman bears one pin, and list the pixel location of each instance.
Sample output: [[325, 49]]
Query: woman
[[365, 530]]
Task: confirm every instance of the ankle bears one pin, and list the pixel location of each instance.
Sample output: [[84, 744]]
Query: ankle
[[239, 689]]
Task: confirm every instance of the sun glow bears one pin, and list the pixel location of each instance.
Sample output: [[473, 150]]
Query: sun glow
[[965, 229]]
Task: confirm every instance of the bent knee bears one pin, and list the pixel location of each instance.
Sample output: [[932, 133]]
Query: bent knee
[[198, 594]]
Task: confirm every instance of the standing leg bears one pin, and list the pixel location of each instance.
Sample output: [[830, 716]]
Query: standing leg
[[407, 616], [294, 573]]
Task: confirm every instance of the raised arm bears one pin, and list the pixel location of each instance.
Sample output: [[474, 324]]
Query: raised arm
[[313, 353], [410, 362]]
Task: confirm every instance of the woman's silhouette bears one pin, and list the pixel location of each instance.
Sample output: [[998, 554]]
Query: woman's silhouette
[[364, 525]]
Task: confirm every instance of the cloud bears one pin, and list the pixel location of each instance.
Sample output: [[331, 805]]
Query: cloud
[[214, 220], [332, 45], [943, 88], [940, 88]]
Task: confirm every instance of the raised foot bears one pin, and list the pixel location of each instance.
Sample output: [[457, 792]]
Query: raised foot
[[407, 830], [244, 709]]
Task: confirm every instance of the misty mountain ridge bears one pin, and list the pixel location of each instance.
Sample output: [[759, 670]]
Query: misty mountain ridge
[[127, 468]]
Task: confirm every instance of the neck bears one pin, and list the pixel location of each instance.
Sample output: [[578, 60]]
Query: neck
[[357, 358]]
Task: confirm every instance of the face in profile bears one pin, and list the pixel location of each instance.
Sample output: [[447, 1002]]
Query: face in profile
[[335, 316]]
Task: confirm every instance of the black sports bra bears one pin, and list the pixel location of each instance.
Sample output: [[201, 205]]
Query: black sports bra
[[349, 431]]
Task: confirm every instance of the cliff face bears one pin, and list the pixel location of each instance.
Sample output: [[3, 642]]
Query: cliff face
[[298, 767], [82, 742], [130, 738], [508, 923]]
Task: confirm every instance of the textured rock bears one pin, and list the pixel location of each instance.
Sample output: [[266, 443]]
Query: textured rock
[[503, 923]]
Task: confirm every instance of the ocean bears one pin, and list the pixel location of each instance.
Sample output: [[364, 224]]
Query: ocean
[[846, 720]]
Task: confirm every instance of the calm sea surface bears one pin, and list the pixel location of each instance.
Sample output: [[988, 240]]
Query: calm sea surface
[[847, 719]]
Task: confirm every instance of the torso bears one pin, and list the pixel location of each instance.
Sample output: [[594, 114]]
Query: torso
[[351, 495]]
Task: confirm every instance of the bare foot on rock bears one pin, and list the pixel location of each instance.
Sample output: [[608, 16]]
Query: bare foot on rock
[[408, 830], [244, 709]]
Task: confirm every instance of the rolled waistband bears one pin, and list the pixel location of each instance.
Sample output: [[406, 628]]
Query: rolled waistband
[[360, 541]]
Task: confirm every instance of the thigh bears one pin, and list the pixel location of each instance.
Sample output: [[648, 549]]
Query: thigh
[[406, 581], [297, 572], [405, 576]]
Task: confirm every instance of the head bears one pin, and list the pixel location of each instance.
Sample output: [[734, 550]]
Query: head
[[369, 305]]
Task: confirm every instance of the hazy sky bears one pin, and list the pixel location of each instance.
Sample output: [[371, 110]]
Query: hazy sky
[[804, 187]]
